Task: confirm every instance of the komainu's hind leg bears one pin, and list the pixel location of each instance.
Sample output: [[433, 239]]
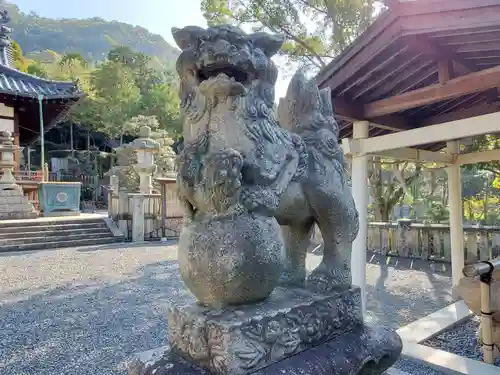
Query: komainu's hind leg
[[297, 238], [338, 221]]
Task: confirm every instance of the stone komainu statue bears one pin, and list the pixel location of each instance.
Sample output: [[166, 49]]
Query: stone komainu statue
[[293, 172]]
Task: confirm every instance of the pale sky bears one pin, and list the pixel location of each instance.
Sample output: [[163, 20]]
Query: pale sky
[[158, 16]]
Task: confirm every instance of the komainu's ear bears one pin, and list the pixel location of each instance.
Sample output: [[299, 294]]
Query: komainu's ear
[[268, 43], [188, 36]]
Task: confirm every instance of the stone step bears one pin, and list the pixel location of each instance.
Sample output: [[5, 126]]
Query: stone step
[[56, 226], [46, 232], [40, 222], [35, 237], [48, 245]]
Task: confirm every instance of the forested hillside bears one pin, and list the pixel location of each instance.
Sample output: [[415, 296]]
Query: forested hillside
[[93, 38]]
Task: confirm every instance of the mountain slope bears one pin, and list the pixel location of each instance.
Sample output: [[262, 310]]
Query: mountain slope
[[92, 38]]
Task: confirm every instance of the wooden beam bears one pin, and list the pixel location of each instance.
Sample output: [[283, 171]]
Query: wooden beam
[[346, 110], [354, 112], [374, 40], [449, 63], [417, 73], [473, 15], [377, 65], [424, 7], [439, 53], [459, 129], [478, 157], [479, 47], [407, 65], [445, 71], [477, 110], [413, 154], [391, 122], [468, 84]]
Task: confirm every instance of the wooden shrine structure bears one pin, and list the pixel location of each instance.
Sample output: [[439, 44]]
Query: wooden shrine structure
[[29, 105], [422, 77]]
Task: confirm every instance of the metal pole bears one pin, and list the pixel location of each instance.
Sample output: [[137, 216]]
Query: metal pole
[[29, 162], [42, 136], [71, 138]]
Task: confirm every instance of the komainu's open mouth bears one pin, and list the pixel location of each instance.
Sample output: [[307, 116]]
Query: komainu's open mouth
[[231, 71]]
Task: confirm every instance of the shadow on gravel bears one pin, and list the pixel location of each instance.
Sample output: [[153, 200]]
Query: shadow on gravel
[[89, 329], [403, 290]]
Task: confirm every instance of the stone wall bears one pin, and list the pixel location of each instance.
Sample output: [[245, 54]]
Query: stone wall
[[432, 241]]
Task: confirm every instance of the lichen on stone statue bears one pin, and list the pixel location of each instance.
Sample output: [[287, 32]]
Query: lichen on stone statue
[[253, 190], [293, 172]]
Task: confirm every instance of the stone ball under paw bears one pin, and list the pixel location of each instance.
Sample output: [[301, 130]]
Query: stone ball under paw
[[231, 260]]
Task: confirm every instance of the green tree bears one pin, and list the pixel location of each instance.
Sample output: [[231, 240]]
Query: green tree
[[116, 97], [71, 61], [37, 69], [20, 62], [162, 101], [146, 77], [316, 30], [389, 184], [118, 89]]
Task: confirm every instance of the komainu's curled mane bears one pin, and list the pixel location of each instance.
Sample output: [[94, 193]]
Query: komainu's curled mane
[[294, 172]]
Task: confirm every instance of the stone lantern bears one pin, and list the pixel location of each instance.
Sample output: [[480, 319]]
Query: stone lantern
[[146, 148], [7, 149], [13, 203]]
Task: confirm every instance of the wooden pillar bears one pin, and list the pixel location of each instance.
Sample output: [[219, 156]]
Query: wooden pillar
[[360, 194], [456, 227]]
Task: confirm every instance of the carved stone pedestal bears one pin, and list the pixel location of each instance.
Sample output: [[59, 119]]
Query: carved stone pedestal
[[295, 331]]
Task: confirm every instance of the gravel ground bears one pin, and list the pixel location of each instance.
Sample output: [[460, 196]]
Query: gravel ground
[[461, 340], [83, 311]]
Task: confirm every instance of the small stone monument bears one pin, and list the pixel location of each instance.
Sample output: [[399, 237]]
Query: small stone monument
[[13, 203], [145, 166], [145, 147], [240, 176]]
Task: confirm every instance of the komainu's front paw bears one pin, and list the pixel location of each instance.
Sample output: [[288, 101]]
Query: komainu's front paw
[[329, 278], [254, 197]]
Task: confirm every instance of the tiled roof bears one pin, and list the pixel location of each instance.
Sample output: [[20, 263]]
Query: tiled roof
[[14, 82]]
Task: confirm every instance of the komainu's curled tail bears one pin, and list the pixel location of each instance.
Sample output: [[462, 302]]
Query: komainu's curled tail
[[308, 112]]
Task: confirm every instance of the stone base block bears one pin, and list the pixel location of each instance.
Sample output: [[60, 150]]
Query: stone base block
[[361, 351], [16, 210], [19, 215], [14, 205], [240, 340]]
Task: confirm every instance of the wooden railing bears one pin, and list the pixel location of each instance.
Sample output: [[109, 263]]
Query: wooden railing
[[432, 241], [56, 177], [28, 175], [85, 180]]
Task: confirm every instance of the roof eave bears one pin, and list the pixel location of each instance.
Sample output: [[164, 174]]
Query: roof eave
[[74, 97]]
